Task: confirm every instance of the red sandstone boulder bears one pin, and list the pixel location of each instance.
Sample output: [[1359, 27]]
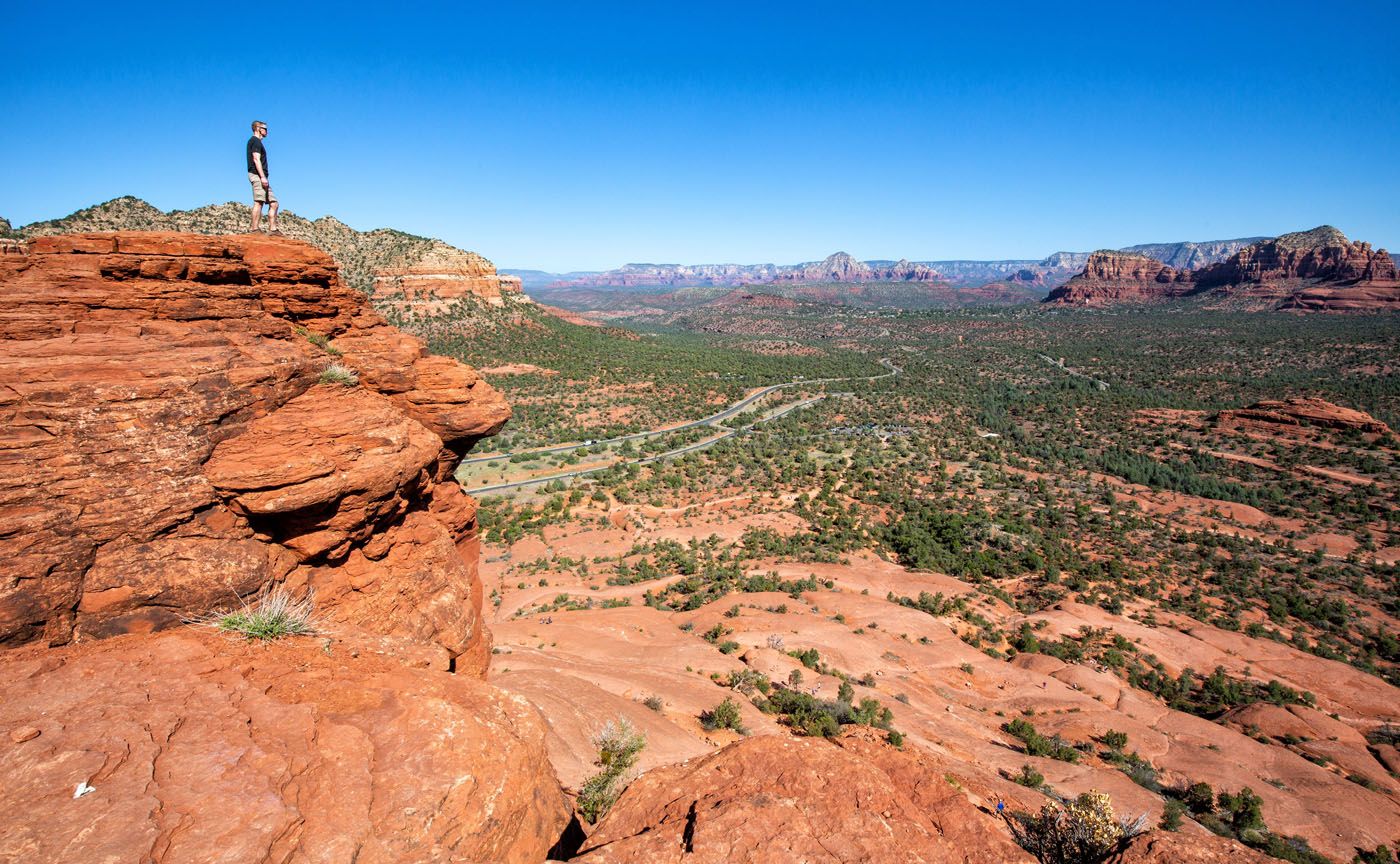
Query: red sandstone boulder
[[1165, 847], [781, 799], [201, 747], [164, 389], [1297, 413]]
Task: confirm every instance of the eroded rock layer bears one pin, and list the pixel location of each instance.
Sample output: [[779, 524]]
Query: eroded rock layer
[[1113, 276], [442, 275], [167, 445], [199, 747]]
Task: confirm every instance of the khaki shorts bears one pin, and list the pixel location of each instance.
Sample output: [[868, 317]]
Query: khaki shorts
[[261, 194]]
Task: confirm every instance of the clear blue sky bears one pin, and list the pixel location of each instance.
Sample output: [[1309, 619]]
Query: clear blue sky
[[582, 135]]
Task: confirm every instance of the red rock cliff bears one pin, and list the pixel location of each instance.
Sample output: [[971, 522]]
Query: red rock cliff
[[442, 275], [168, 447], [1112, 276]]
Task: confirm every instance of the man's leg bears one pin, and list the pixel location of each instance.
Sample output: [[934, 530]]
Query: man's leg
[[272, 215], [257, 215]]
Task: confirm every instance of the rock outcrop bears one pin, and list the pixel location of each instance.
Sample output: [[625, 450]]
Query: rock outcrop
[[201, 747], [1110, 276], [442, 275], [1273, 267], [1298, 413], [841, 267], [1317, 270], [170, 446], [781, 799], [369, 261]]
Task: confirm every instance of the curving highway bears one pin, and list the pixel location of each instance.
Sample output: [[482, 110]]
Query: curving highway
[[679, 451], [736, 408]]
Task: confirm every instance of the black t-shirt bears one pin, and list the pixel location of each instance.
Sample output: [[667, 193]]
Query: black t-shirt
[[255, 145]]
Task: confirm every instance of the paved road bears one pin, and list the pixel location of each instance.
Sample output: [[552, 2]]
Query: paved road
[[736, 408], [679, 451]]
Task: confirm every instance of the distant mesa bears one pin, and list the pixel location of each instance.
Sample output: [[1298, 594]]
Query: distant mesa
[[1317, 270], [1111, 276], [392, 266]]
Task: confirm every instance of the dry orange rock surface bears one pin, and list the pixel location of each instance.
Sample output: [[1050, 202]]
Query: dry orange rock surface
[[167, 388]]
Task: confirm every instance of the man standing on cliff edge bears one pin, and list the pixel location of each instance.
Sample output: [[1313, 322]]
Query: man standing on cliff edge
[[257, 175]]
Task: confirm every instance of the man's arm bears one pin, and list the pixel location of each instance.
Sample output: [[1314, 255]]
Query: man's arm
[[262, 172]]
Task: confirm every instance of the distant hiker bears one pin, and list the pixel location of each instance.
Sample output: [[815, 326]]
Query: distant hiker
[[257, 175]]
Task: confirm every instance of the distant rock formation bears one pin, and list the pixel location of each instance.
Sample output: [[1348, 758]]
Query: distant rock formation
[[1271, 414], [381, 260], [841, 267], [1317, 270], [1190, 255], [1322, 254], [1110, 276]]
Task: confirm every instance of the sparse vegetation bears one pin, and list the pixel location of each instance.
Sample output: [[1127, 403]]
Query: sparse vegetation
[[273, 614], [619, 745], [338, 373]]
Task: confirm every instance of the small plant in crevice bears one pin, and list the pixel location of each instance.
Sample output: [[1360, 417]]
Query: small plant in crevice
[[619, 744], [274, 614], [338, 373]]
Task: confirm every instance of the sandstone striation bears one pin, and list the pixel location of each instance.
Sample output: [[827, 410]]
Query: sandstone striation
[[782, 799], [167, 389], [199, 747], [369, 261], [1295, 414], [1317, 270], [1110, 276], [442, 275]]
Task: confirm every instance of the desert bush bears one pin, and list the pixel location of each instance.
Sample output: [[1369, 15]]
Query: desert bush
[[654, 702], [618, 744], [273, 615], [725, 715], [1084, 831]]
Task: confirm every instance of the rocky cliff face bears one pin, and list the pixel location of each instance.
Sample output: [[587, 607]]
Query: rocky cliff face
[[173, 445], [166, 386], [841, 267], [1317, 270], [1274, 267], [1112, 276], [369, 261]]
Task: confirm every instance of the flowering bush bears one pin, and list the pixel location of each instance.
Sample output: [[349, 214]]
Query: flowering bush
[[1083, 831]]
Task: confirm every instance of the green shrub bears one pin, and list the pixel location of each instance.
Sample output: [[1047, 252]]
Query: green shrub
[[618, 744], [1029, 777], [273, 615], [725, 715]]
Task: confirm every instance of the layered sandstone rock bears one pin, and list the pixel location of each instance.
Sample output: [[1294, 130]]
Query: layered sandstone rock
[[1110, 276], [444, 274], [782, 799], [1295, 413], [1165, 847], [1324, 254], [200, 748], [169, 448], [841, 267], [1317, 270]]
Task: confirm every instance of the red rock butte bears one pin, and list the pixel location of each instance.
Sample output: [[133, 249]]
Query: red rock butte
[[445, 274]]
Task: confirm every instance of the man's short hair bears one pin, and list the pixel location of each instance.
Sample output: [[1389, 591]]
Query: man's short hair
[[257, 123]]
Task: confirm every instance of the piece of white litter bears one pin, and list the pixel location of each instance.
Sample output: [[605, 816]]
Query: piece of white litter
[[82, 789]]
